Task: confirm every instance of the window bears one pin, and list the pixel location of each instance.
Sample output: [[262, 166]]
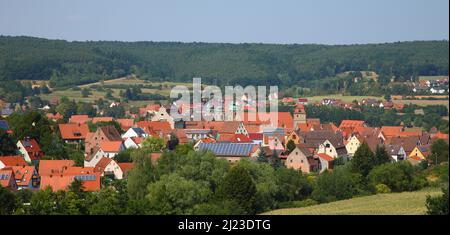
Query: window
[[301, 161]]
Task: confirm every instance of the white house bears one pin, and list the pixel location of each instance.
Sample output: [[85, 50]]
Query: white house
[[109, 167], [134, 132], [93, 159], [133, 142]]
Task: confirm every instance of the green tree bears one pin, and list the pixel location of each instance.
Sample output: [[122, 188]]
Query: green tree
[[140, 176], [8, 201], [337, 185], [438, 205], [364, 160], [399, 176], [239, 186], [85, 92], [262, 156], [43, 202], [381, 155], [105, 202], [153, 144], [7, 145], [439, 151], [175, 195]]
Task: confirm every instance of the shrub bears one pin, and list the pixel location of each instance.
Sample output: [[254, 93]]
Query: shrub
[[382, 188], [399, 176], [337, 185], [297, 204], [438, 205]]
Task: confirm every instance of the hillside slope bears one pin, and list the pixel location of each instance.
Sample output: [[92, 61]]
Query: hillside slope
[[74, 63], [405, 203]]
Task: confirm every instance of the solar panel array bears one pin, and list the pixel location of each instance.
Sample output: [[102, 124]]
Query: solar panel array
[[85, 177], [228, 149], [4, 176]]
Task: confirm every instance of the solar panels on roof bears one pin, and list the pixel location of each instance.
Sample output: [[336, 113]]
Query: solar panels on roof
[[228, 149], [85, 177], [4, 176]]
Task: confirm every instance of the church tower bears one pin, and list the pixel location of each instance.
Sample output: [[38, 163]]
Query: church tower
[[299, 115]]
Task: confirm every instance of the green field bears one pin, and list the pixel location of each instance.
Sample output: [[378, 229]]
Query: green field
[[76, 95], [347, 99], [406, 203]]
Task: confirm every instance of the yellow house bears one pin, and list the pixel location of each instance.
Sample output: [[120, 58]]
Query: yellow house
[[353, 144], [419, 151]]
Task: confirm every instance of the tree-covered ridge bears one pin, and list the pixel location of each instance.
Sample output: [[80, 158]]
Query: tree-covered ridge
[[69, 63]]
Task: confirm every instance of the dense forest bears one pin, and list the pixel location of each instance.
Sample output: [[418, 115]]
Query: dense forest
[[72, 63]]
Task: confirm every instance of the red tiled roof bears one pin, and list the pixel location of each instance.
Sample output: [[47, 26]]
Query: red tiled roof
[[389, 131], [255, 136], [110, 146], [32, 148], [102, 119], [351, 123], [326, 157], [73, 131], [125, 166], [13, 160], [23, 174], [102, 164], [56, 116], [79, 119], [48, 167], [155, 126], [235, 138], [125, 123]]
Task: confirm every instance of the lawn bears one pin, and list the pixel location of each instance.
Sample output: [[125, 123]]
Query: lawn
[[406, 203], [347, 99]]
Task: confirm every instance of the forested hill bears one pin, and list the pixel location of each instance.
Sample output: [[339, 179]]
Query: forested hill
[[72, 63]]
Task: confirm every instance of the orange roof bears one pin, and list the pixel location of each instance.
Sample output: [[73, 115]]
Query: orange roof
[[110, 146], [208, 140], [351, 123], [62, 181], [410, 133], [102, 119], [440, 135], [125, 166], [155, 126], [416, 158], [229, 137], [102, 164], [13, 160], [304, 127], [73, 131], [326, 157], [125, 123], [48, 167], [23, 174], [389, 131], [79, 119], [285, 119], [32, 148]]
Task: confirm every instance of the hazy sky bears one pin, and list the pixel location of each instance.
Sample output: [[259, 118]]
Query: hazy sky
[[235, 21]]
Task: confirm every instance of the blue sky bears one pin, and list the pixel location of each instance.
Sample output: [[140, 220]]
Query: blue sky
[[233, 21]]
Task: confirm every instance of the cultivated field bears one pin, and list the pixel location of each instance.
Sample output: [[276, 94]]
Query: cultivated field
[[422, 102], [347, 99], [430, 78], [406, 203]]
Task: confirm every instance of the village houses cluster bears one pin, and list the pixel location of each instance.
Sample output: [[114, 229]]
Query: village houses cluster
[[317, 144]]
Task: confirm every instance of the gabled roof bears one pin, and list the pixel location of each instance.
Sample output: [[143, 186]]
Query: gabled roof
[[229, 149], [110, 133], [155, 126], [139, 131], [60, 181], [13, 160], [389, 131], [110, 146], [125, 166], [255, 136], [235, 138], [23, 174], [102, 164], [73, 131], [79, 119], [32, 148], [408, 143], [325, 157], [125, 123]]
